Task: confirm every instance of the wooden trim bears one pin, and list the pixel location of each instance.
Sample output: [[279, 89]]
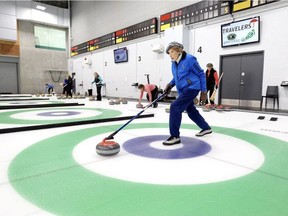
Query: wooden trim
[[10, 48]]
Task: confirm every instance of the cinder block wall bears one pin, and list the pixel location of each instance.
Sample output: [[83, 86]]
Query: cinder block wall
[[34, 62]]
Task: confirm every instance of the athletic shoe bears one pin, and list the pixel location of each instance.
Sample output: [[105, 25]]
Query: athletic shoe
[[204, 132], [172, 141]]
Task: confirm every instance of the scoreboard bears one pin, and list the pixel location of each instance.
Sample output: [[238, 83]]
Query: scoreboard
[[97, 43], [239, 5], [139, 30], [197, 12], [101, 42], [205, 10], [79, 49]]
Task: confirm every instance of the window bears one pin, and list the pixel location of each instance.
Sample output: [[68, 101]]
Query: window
[[50, 38]]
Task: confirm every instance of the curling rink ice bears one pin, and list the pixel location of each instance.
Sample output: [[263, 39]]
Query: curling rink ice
[[238, 170]]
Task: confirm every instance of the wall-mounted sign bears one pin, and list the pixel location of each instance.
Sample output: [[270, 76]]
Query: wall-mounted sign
[[241, 32]]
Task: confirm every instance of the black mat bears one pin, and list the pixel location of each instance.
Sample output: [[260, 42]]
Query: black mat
[[8, 95], [40, 106], [22, 99], [66, 124]]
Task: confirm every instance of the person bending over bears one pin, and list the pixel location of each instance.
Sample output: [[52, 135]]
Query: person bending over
[[49, 88], [152, 92]]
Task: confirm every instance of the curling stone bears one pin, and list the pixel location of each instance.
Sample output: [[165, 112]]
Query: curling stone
[[91, 98], [124, 101], [196, 101], [111, 102], [117, 102], [107, 148], [69, 97], [139, 105], [219, 108], [207, 108], [43, 95], [167, 110], [37, 95], [227, 108]]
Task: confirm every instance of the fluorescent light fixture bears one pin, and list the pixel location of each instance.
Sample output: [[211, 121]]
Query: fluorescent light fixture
[[40, 7]]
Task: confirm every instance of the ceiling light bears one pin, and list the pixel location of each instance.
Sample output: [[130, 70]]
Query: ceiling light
[[40, 7]]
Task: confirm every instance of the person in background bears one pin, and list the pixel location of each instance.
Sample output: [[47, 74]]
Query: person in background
[[212, 81], [152, 92], [68, 85], [189, 79], [64, 86], [73, 83], [49, 88], [99, 83]]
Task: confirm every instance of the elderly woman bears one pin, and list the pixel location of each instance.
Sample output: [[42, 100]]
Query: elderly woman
[[189, 79]]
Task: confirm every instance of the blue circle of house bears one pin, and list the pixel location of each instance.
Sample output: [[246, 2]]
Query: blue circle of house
[[59, 113], [190, 148]]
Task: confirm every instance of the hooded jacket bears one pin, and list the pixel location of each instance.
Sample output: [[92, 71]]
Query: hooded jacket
[[188, 74]]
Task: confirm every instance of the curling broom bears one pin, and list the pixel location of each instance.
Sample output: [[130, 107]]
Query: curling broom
[[212, 98]]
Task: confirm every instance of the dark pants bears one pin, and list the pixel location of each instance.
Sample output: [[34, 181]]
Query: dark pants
[[50, 89], [154, 94], [185, 102], [98, 88], [67, 90]]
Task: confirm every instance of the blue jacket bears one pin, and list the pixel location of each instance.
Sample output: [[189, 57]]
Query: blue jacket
[[188, 74], [49, 86]]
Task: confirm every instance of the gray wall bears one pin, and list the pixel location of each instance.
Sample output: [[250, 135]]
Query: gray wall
[[34, 62], [8, 27], [91, 19]]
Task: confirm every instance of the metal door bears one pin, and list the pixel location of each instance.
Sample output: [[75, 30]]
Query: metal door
[[242, 81], [251, 78], [8, 78]]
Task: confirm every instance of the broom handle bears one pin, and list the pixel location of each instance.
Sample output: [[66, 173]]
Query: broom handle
[[149, 105], [215, 90]]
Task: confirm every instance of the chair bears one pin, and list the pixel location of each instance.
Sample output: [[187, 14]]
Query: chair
[[271, 92]]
